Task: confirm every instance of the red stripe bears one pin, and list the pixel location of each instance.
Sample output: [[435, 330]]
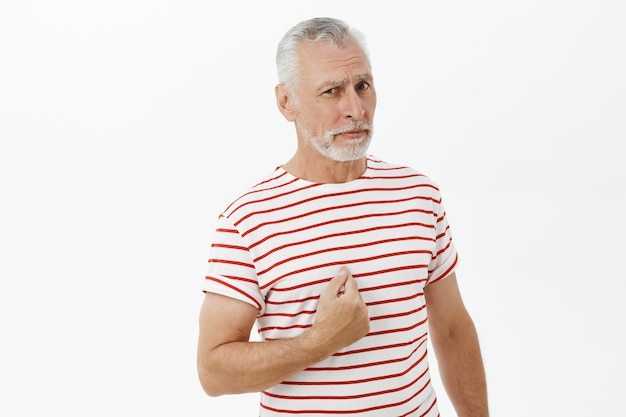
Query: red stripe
[[381, 347], [388, 270], [391, 316], [219, 281], [350, 397], [272, 197], [348, 233], [398, 330], [225, 246], [230, 262], [385, 362], [395, 300], [360, 381], [325, 209], [221, 230], [342, 262], [300, 300], [357, 276], [419, 406], [268, 181], [345, 219], [248, 280], [446, 272], [393, 285], [340, 248], [309, 312], [445, 232], [430, 408], [295, 326], [303, 285], [442, 250], [362, 410], [397, 177]]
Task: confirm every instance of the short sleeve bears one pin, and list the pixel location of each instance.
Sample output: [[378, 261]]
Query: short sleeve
[[230, 270], [445, 258]]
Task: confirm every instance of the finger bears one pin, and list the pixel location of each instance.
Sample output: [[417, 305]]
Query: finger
[[350, 285], [338, 281]]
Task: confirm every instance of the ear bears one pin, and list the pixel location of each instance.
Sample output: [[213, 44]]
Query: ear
[[285, 102]]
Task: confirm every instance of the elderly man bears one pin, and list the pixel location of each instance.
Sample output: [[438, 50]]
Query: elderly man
[[343, 260]]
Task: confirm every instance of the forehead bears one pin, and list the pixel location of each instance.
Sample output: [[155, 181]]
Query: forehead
[[325, 61]]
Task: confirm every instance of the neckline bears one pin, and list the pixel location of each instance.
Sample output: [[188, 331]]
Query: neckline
[[364, 175]]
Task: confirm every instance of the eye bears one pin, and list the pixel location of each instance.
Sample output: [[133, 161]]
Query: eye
[[331, 91], [362, 86]]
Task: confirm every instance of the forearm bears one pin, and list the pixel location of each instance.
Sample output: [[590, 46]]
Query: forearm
[[238, 367], [462, 371], [228, 363]]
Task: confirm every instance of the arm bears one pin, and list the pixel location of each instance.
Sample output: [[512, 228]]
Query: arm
[[456, 345], [228, 363]]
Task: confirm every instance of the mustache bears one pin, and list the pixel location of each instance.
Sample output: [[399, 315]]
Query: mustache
[[355, 125]]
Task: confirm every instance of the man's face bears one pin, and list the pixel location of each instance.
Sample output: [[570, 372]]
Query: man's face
[[336, 101]]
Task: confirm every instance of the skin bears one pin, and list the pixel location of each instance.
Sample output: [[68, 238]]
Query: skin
[[335, 93], [228, 363], [336, 90], [456, 346]]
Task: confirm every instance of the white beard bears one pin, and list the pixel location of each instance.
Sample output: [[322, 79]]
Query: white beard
[[350, 151]]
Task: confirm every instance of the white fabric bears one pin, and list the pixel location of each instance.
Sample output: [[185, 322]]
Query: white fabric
[[279, 244]]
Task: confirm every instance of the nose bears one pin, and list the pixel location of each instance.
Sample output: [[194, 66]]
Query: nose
[[353, 105]]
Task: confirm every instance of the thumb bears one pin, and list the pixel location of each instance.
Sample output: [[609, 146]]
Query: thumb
[[350, 285], [339, 280]]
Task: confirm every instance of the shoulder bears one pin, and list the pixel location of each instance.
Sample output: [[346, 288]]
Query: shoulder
[[384, 170], [270, 185]]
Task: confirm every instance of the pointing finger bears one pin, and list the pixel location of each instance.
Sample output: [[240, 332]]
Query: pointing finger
[[350, 285], [336, 285]]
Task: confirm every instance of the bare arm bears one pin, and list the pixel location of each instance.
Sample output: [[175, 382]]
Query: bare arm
[[228, 363], [456, 345]]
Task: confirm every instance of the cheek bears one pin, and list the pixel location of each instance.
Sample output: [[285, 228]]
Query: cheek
[[371, 106], [321, 120], [321, 117]]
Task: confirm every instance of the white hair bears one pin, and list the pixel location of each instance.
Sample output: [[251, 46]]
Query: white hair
[[313, 30]]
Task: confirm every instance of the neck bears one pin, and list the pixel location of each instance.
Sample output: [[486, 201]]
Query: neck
[[322, 170]]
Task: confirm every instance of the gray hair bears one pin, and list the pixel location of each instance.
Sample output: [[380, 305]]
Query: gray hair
[[314, 30]]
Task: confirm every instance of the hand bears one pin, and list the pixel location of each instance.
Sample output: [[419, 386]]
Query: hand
[[342, 317]]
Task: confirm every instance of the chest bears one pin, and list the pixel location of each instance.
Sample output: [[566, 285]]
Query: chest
[[387, 251]]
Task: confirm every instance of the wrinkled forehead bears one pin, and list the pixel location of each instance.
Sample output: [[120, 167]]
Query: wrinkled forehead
[[326, 61]]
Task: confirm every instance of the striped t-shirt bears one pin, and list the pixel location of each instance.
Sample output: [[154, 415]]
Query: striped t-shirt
[[279, 244]]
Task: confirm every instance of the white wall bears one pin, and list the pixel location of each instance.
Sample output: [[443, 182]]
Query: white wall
[[126, 126]]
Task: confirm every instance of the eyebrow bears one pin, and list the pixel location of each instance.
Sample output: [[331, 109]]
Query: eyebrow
[[360, 77]]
